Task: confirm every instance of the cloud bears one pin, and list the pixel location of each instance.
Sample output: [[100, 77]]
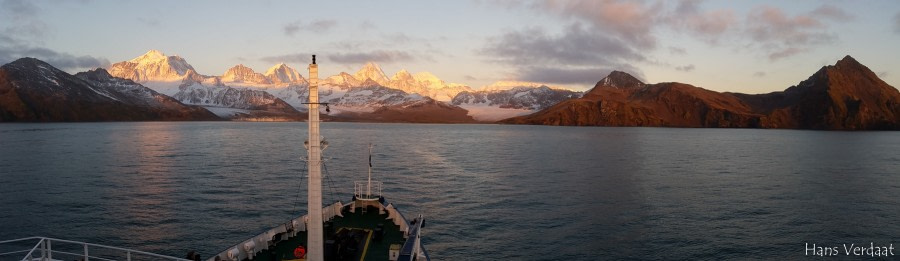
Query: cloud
[[553, 75], [600, 36], [677, 50], [897, 23], [301, 58], [781, 35], [784, 53], [771, 24], [317, 26], [635, 22], [575, 46], [21, 19], [380, 56], [833, 13], [64, 61], [367, 25], [149, 21], [320, 26], [21, 36], [709, 26], [291, 29], [22, 8], [401, 38], [630, 21], [573, 56], [685, 68]]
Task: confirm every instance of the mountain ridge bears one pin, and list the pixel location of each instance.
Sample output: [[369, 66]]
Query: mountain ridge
[[32, 90], [844, 96]]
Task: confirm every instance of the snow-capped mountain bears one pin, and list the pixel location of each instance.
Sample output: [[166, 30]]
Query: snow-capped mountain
[[365, 91], [371, 71], [422, 83], [282, 74], [153, 66], [224, 96], [430, 81], [447, 93], [216, 95], [507, 85], [278, 75], [364, 97], [426, 84], [404, 80], [505, 99], [227, 95], [367, 99], [342, 79], [243, 74], [32, 90]]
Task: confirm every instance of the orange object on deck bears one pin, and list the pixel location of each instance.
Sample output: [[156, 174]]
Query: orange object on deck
[[300, 252]]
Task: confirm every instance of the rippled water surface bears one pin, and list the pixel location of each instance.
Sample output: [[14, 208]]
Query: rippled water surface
[[488, 192]]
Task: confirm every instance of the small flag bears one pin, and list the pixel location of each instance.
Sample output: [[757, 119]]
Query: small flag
[[370, 160]]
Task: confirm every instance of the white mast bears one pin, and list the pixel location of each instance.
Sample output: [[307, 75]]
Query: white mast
[[314, 238]]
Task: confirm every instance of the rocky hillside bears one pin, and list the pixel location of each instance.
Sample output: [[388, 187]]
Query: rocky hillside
[[420, 111], [845, 96], [32, 90]]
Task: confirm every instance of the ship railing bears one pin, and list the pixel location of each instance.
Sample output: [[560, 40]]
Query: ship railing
[[412, 249], [398, 219], [360, 189], [50, 249], [269, 238]]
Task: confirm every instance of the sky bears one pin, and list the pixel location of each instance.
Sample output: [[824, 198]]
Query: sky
[[734, 46]]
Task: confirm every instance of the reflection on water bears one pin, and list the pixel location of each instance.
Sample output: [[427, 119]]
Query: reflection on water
[[144, 156], [492, 191]]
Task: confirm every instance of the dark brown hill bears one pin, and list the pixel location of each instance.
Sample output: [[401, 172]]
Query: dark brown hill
[[423, 111], [846, 96], [621, 100]]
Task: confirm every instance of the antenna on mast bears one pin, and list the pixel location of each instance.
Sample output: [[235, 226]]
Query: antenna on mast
[[369, 182]]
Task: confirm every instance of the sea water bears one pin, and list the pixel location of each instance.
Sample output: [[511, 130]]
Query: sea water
[[488, 192]]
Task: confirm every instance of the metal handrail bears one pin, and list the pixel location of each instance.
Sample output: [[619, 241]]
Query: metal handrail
[[45, 247], [250, 247], [360, 188]]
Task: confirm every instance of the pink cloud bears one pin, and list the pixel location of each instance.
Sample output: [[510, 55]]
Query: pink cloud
[[782, 35], [632, 21], [707, 25]]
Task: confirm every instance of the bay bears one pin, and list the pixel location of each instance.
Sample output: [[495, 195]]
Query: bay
[[487, 191]]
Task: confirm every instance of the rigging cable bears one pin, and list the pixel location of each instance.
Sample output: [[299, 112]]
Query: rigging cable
[[299, 192], [330, 182]]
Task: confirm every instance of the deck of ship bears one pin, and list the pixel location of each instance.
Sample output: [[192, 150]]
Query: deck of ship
[[355, 227]]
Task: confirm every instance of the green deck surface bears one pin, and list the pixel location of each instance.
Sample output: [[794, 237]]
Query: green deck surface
[[351, 222]]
